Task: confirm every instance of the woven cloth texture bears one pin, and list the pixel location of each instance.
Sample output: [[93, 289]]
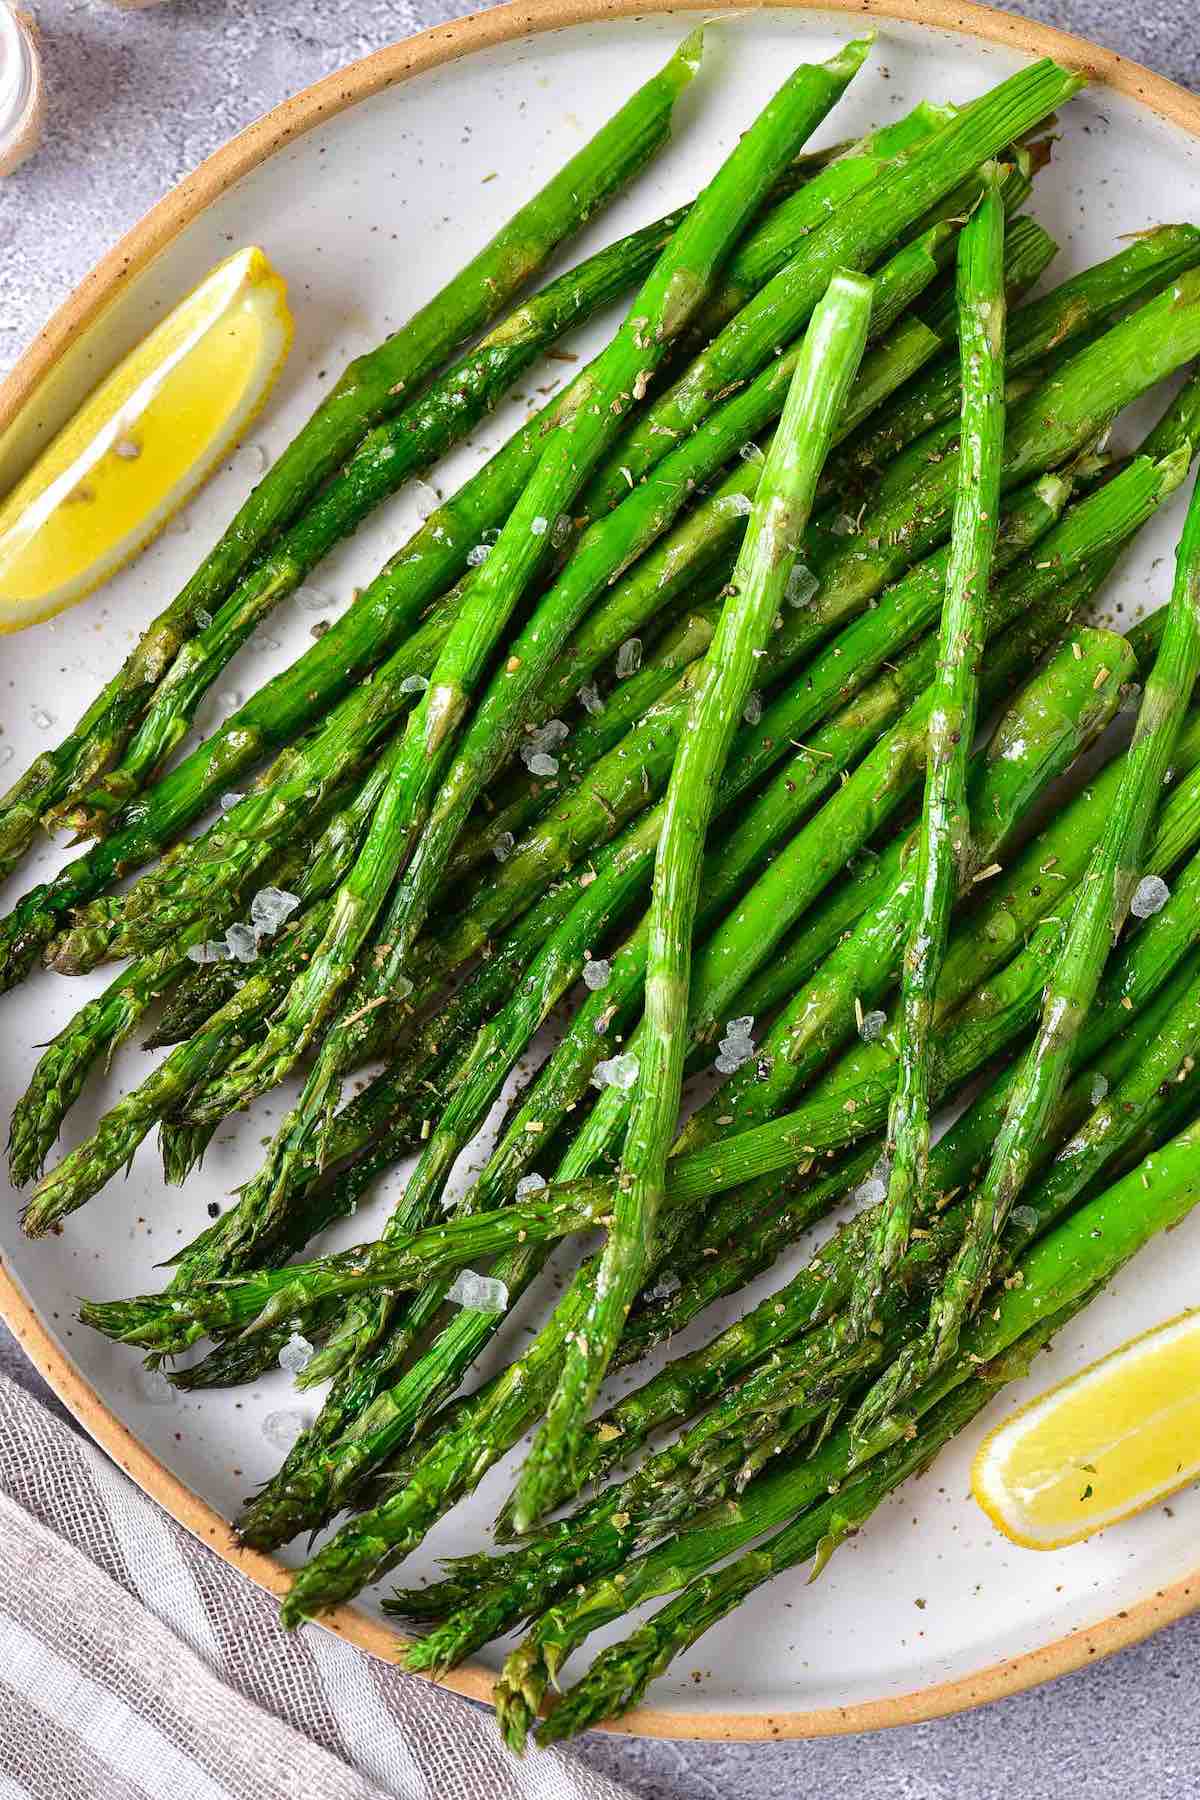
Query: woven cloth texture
[[138, 1666]]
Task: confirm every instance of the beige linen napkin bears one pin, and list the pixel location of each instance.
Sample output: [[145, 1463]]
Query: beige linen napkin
[[136, 1665]]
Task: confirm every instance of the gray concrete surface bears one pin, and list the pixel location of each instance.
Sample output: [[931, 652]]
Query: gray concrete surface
[[136, 99]]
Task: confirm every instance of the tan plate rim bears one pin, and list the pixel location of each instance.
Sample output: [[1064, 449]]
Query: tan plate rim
[[312, 107]]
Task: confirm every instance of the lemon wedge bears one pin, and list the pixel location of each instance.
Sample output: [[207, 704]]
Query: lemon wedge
[[143, 441], [1110, 1441]]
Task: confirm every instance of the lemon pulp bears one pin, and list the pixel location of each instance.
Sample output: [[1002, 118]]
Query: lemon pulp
[[143, 440], [1110, 1441]]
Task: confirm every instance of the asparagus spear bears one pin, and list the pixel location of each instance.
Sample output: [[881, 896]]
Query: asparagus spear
[[860, 964], [366, 391], [35, 918], [619, 1676], [386, 458], [1070, 311], [508, 1410], [498, 1048], [646, 513], [606, 551], [391, 1265], [151, 822], [667, 301], [395, 450], [169, 1088], [122, 1129], [96, 1030], [1059, 1273], [537, 1109], [1034, 436], [196, 877], [854, 237], [1105, 896], [313, 869], [484, 1595], [1001, 1011], [831, 353], [438, 551], [945, 859]]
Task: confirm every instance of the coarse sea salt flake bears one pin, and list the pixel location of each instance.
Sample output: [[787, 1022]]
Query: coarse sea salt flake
[[281, 1429], [483, 1293], [530, 1184], [155, 1389], [629, 657], [270, 907], [211, 951], [1150, 896], [871, 1029], [597, 974], [801, 586], [243, 942], [616, 1071], [296, 1354]]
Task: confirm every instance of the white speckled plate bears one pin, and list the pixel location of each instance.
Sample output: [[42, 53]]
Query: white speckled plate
[[367, 191]]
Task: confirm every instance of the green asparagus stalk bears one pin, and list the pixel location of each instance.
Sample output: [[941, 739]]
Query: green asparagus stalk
[[387, 456], [1060, 1272], [666, 303], [1001, 1011], [1096, 921], [1035, 434], [151, 822], [93, 1163], [484, 1596], [86, 1170], [469, 773], [619, 1676], [417, 573], [312, 869], [367, 390], [507, 1411], [188, 883], [151, 914], [854, 238], [438, 552], [619, 539], [1153, 1058], [583, 1204], [945, 859], [832, 350], [498, 1049], [1070, 311], [861, 964]]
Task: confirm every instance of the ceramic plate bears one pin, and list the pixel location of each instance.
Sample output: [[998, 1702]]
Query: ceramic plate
[[368, 192]]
